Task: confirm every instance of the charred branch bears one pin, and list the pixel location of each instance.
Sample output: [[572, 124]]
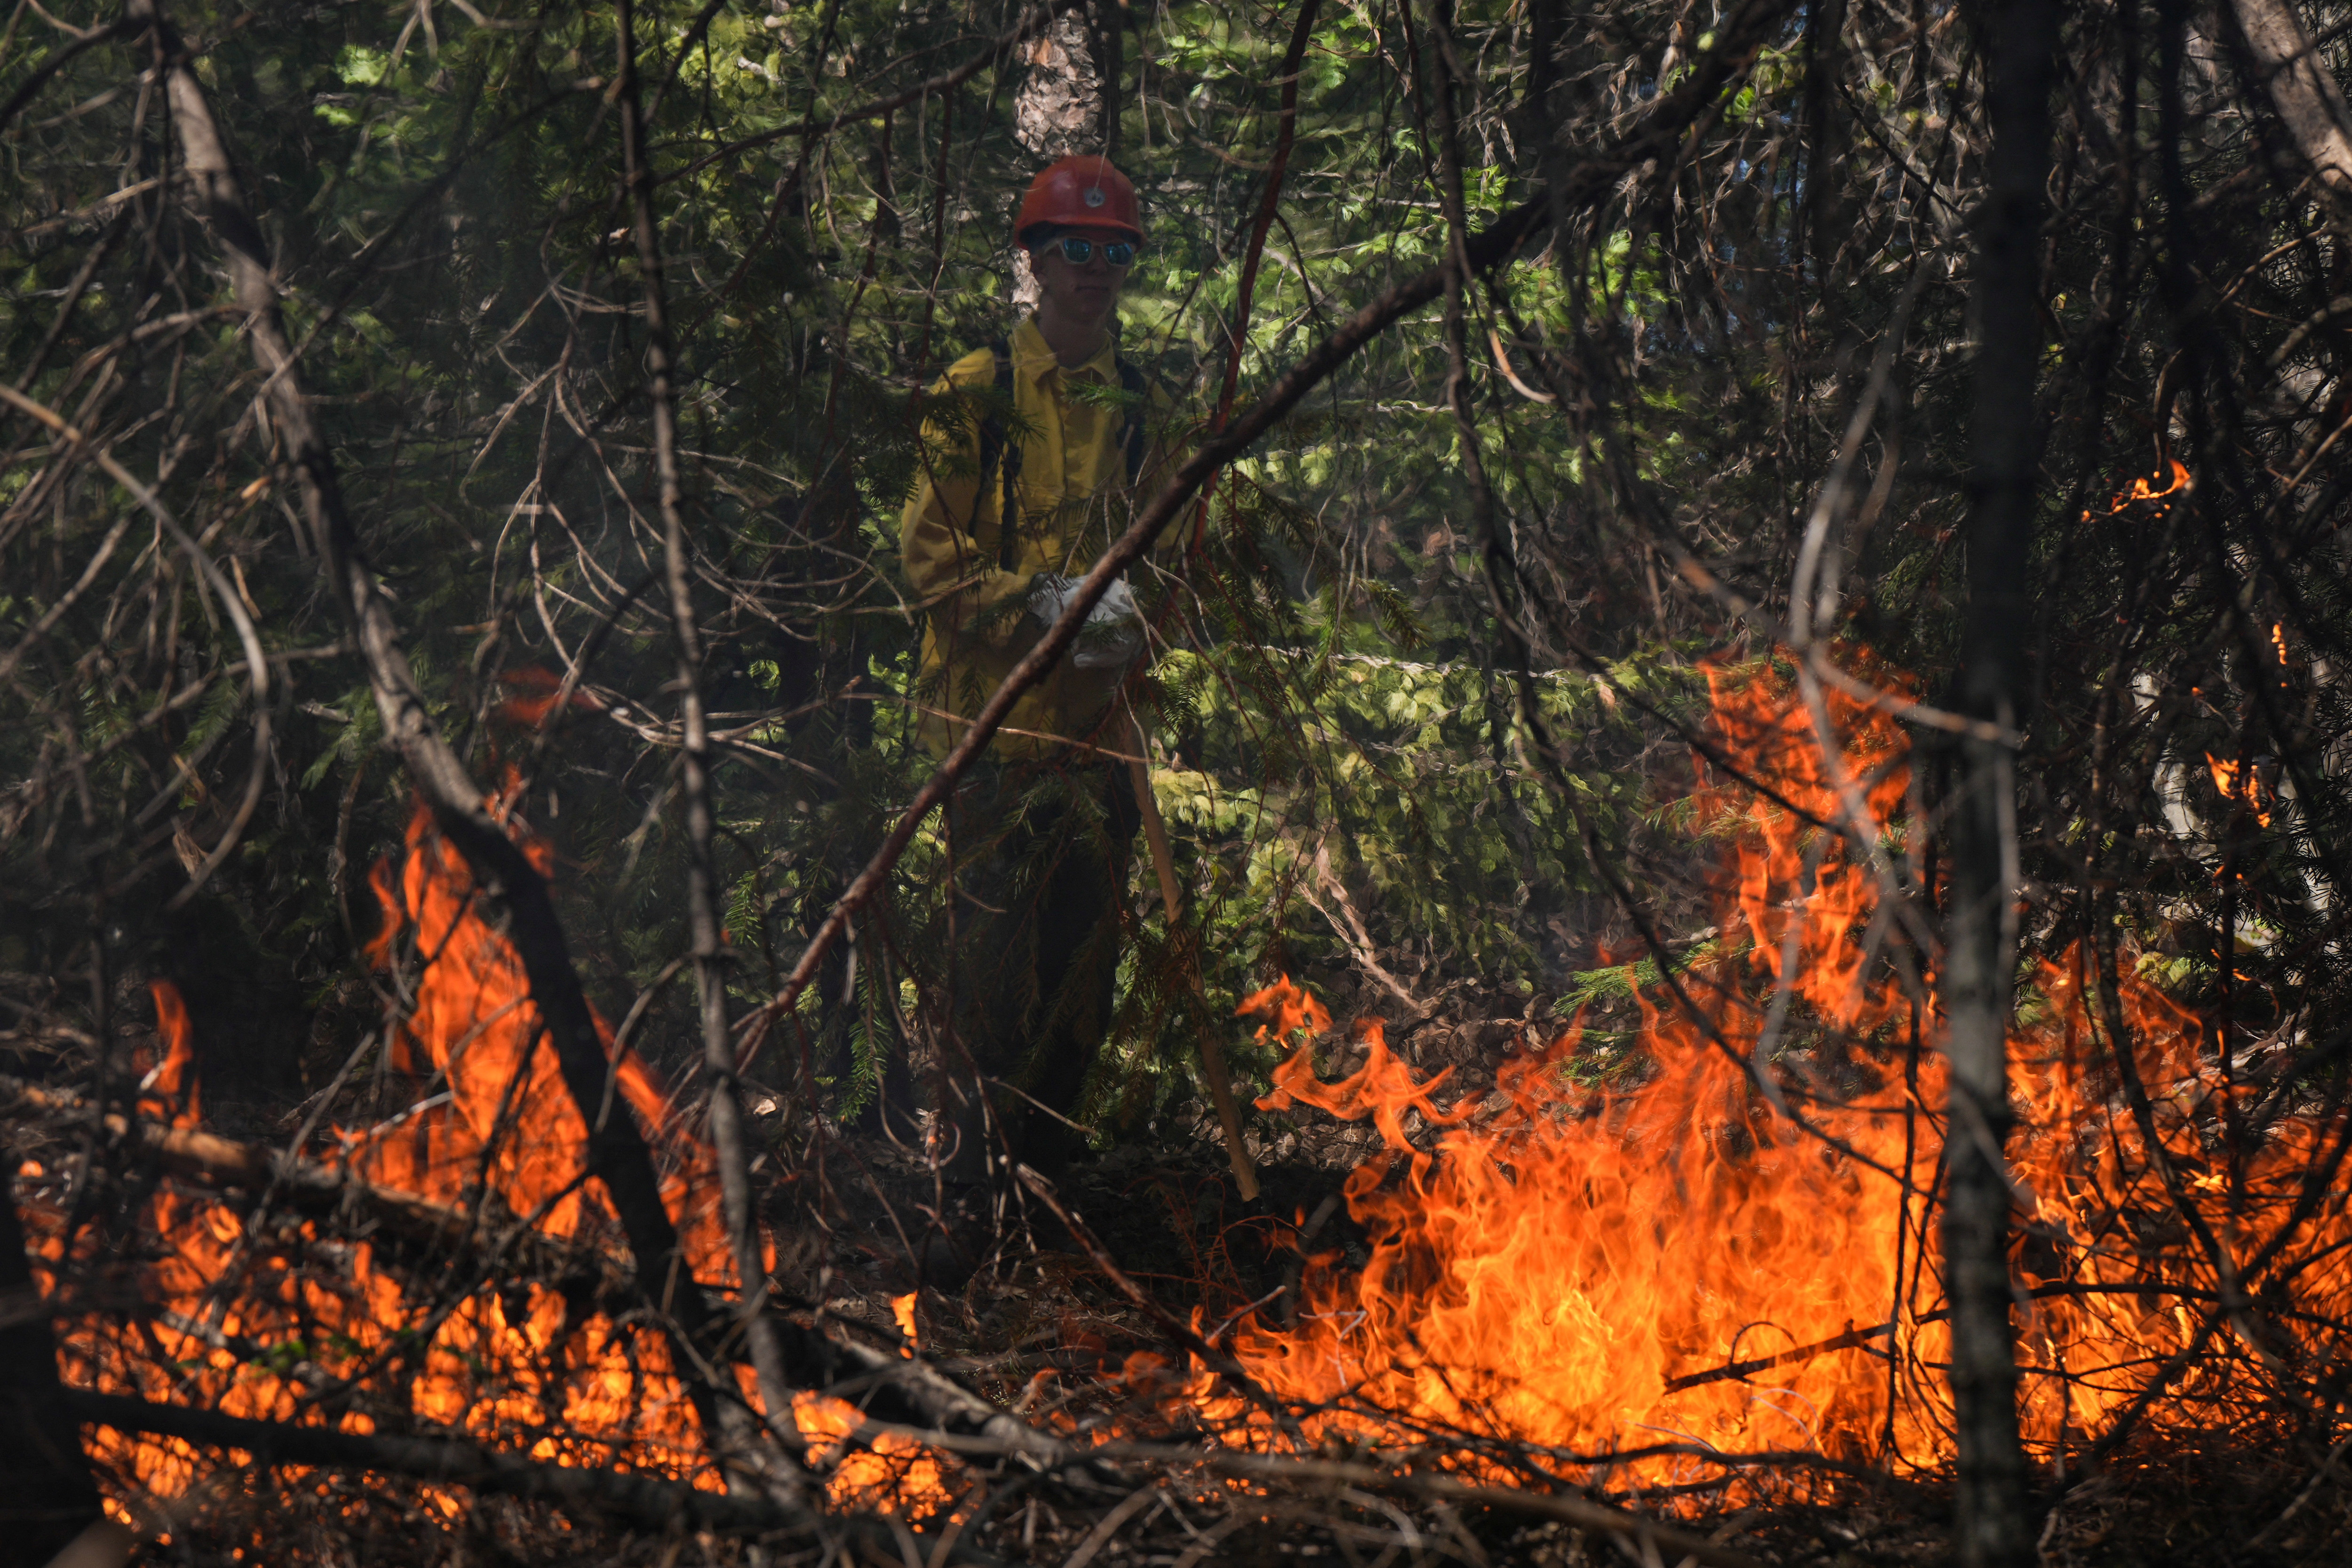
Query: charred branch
[[307, 1187], [1991, 1526], [1566, 1508], [911, 1393], [617, 1150], [642, 1502]]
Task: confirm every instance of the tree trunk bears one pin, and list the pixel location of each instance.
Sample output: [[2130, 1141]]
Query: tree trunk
[[46, 1495], [1057, 111], [2019, 39], [2302, 89]]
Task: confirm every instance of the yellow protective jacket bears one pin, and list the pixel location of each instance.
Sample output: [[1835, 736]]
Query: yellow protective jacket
[[1067, 453]]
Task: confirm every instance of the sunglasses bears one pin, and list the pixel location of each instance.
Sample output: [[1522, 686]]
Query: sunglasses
[[1078, 252]]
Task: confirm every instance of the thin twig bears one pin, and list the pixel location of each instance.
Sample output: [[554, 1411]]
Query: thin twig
[[728, 1140]]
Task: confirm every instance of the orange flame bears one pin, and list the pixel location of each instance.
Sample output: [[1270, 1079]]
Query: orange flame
[[2247, 791], [543, 686], [169, 1091], [255, 1326], [896, 1475], [2176, 481], [1675, 1270]]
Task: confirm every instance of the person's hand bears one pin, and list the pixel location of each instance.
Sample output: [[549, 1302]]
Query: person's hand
[[1113, 634]]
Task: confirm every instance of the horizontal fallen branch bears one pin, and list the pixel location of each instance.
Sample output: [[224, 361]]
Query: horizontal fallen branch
[[1561, 1508], [909, 1392], [647, 1503], [937, 1403], [640, 1501], [1851, 1339], [308, 1187]]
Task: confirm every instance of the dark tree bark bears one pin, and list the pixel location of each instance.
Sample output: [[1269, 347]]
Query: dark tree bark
[[46, 1495], [2019, 39]]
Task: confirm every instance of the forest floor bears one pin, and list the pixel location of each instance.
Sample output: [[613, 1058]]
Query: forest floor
[[1044, 1332], [1043, 1329]]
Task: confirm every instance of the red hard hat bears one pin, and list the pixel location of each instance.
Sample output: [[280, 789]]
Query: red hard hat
[[1081, 192]]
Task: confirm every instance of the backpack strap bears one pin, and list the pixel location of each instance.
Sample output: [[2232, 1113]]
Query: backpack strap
[[1131, 438], [1001, 458]]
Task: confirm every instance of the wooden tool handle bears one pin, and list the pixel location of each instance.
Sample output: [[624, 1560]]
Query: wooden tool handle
[[1213, 1053]]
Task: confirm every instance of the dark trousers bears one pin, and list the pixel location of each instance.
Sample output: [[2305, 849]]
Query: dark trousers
[[1042, 855]]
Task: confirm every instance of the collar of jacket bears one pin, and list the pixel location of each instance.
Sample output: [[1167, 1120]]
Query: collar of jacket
[[1034, 360]]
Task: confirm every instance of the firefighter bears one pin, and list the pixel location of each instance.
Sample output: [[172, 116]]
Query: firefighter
[[1045, 447]]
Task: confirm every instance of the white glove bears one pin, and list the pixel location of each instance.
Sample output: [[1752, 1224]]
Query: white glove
[[1113, 634]]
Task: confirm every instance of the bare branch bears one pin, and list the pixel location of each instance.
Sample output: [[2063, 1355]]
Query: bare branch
[[725, 1104], [1589, 181], [616, 1146]]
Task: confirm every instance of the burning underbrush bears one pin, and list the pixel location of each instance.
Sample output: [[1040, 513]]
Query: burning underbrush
[[1693, 1269], [452, 1268], [1736, 1261]]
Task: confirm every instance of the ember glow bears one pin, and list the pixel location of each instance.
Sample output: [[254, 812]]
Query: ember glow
[[2247, 791], [1679, 1267], [269, 1326], [2174, 481]]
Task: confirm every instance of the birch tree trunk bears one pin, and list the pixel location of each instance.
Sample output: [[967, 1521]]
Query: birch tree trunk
[[2305, 94]]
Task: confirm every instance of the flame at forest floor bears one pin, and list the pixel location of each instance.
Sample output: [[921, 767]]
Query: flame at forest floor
[[298, 1323], [1654, 1278], [1659, 1278]]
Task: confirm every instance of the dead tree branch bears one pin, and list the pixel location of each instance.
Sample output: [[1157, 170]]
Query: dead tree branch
[[1562, 1507], [913, 1392], [725, 1104], [618, 1151], [308, 1187], [629, 1499]]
